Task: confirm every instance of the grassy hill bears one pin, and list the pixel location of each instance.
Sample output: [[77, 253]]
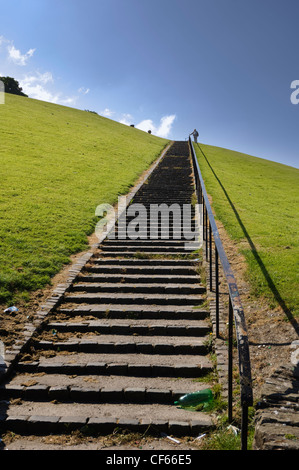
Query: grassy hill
[[257, 202], [57, 165]]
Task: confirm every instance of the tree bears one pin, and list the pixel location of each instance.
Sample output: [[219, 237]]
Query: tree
[[12, 86]]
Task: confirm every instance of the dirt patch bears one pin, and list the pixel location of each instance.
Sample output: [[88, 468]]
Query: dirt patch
[[118, 441]]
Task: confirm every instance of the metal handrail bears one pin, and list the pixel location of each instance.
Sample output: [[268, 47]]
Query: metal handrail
[[236, 313]]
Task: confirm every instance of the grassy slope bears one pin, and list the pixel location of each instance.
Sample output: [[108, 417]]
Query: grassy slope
[[257, 201], [57, 165]]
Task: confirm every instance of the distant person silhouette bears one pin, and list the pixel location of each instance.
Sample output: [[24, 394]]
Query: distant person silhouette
[[195, 135]]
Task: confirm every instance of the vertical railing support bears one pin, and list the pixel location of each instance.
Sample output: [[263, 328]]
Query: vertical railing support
[[210, 257], [230, 362], [217, 291], [203, 221], [206, 231]]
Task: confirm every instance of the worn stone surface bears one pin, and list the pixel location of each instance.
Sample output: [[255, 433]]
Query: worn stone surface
[[277, 415]]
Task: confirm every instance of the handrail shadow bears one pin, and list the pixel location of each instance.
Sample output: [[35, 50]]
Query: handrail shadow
[[254, 250]]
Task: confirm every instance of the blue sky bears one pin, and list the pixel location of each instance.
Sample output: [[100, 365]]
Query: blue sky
[[222, 66]]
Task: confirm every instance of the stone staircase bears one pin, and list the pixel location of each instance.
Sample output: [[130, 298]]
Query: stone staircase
[[130, 336]]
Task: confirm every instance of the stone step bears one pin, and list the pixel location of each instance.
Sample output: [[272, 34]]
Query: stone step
[[163, 262], [133, 311], [152, 232], [137, 365], [145, 253], [81, 389], [128, 327], [158, 195], [137, 288], [157, 233], [120, 247], [143, 299], [138, 278], [147, 200], [122, 344], [162, 227], [159, 243], [111, 268], [154, 236], [164, 223], [157, 211], [46, 418], [157, 216]]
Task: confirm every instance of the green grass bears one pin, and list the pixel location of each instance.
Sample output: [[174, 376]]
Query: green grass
[[257, 202], [57, 165]]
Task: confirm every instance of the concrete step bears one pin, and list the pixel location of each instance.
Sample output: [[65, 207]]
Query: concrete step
[[132, 269], [128, 327], [163, 262], [138, 278], [134, 223], [131, 250], [146, 253], [141, 299], [137, 365], [158, 195], [123, 344], [133, 311], [155, 235], [137, 288], [47, 418], [103, 389], [159, 243]]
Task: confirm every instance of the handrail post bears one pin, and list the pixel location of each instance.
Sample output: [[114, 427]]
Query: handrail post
[[206, 230], [203, 219], [217, 290], [230, 362], [210, 257]]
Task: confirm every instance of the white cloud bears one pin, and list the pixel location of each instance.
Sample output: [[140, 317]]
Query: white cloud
[[34, 86], [165, 125], [14, 54], [44, 78], [126, 119], [71, 101], [18, 58], [164, 128], [3, 41], [83, 90], [146, 125], [39, 92], [107, 112]]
